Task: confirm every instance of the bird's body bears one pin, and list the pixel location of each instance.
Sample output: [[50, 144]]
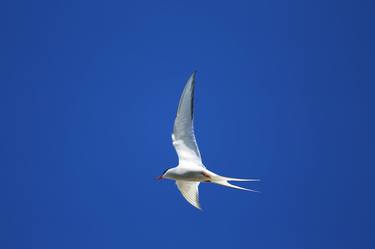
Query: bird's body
[[191, 172], [188, 174]]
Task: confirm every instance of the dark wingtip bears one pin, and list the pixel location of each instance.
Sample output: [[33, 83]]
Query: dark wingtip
[[194, 73], [192, 94]]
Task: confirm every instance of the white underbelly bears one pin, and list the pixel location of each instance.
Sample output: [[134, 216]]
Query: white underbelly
[[194, 176]]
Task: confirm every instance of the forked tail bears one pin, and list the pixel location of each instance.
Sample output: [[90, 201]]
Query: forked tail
[[225, 182]]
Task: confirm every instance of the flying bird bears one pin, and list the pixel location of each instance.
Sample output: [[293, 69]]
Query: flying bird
[[190, 171]]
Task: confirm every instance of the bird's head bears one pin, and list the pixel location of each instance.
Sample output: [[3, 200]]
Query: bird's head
[[164, 175]]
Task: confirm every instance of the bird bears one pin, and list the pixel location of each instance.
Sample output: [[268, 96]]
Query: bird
[[191, 171]]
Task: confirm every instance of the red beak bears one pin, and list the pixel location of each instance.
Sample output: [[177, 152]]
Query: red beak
[[159, 177]]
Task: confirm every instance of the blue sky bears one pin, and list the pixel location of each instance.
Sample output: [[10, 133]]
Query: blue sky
[[284, 92]]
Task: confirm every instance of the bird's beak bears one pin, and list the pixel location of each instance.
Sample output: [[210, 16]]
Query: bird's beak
[[159, 177]]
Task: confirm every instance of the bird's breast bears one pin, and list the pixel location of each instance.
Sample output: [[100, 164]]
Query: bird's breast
[[188, 175]]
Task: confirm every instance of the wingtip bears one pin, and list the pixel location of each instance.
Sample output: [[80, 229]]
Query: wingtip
[[193, 75], [198, 207], [254, 191]]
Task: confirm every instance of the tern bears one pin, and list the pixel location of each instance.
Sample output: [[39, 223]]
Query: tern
[[191, 171]]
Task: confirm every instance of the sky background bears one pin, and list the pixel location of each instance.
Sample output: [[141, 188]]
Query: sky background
[[284, 92]]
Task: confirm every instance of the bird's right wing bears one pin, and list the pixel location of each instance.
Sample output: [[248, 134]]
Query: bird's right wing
[[190, 192], [183, 132]]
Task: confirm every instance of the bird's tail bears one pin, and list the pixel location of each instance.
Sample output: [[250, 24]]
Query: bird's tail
[[225, 182]]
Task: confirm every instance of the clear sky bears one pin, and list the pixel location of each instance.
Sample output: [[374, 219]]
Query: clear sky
[[284, 92]]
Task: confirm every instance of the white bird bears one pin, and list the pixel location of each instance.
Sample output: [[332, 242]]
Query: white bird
[[190, 170]]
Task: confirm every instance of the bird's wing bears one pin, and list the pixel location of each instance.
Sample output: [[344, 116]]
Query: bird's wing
[[183, 130], [190, 191]]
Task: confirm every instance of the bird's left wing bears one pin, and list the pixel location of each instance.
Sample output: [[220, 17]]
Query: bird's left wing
[[183, 131], [190, 192]]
